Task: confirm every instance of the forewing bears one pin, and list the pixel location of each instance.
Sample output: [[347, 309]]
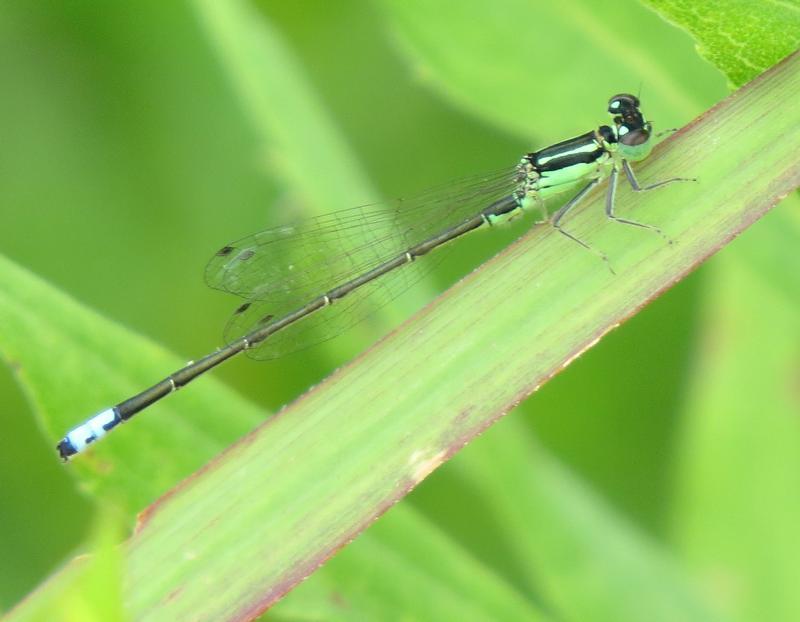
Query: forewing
[[280, 270], [297, 261]]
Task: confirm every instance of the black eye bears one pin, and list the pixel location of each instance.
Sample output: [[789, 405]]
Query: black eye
[[622, 102]]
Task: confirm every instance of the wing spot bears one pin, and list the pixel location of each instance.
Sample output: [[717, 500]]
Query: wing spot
[[245, 255], [225, 251], [243, 308], [266, 318]]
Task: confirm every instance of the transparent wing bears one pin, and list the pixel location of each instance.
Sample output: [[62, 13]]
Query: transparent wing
[[279, 270], [328, 322], [298, 261]]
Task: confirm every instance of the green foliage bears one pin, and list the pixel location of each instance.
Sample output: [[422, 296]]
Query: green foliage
[[741, 37], [137, 142]]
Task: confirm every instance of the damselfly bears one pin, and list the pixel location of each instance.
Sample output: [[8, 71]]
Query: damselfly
[[308, 282]]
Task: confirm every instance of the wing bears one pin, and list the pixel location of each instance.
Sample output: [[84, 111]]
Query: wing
[[279, 270], [297, 261], [328, 322]]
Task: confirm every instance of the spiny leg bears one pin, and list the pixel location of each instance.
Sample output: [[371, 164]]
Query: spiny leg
[[611, 196], [559, 215]]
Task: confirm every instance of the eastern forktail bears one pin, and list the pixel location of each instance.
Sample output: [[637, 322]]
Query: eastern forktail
[[308, 282]]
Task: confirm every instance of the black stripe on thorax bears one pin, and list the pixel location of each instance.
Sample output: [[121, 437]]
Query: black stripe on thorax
[[583, 149]]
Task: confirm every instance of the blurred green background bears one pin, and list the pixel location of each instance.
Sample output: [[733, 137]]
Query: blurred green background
[[134, 145]]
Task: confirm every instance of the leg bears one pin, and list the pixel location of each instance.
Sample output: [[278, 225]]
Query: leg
[[559, 216], [635, 183], [611, 196]]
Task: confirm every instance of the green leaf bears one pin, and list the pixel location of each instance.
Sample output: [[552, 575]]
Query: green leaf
[[741, 37], [274, 506]]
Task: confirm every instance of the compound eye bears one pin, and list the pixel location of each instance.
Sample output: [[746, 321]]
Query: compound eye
[[621, 102]]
